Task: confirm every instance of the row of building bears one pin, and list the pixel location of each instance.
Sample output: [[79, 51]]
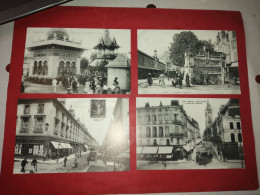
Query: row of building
[[44, 127], [225, 130], [166, 126]]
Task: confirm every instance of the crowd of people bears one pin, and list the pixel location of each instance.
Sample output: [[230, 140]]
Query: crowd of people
[[93, 83], [176, 81]]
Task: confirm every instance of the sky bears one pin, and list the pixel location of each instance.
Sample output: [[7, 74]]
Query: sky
[[194, 107], [89, 38], [96, 127], [150, 40]]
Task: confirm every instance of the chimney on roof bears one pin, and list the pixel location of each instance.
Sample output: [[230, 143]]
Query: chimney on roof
[[155, 54]]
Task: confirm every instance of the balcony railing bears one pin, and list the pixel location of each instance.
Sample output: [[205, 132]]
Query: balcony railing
[[177, 135]]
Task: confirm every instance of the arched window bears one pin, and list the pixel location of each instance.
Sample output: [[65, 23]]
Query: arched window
[[155, 142], [40, 68], [35, 67], [45, 67], [61, 68], [148, 142], [73, 68], [148, 132], [160, 132], [167, 142], [232, 137], [67, 68]]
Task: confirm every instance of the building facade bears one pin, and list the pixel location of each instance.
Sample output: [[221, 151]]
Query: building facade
[[171, 69], [148, 64], [46, 127], [167, 125], [226, 42], [226, 130], [205, 64], [55, 55]]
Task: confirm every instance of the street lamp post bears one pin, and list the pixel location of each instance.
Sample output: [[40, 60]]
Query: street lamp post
[[58, 153], [240, 139]]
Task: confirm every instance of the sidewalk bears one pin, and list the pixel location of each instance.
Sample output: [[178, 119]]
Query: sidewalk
[[168, 162], [48, 161]]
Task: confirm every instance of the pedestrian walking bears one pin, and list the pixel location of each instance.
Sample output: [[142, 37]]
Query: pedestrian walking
[[22, 87], [179, 80], [54, 85], [34, 164], [44, 155], [116, 89], [65, 161], [187, 79], [75, 161], [88, 159], [23, 164], [150, 79], [162, 81], [74, 85]]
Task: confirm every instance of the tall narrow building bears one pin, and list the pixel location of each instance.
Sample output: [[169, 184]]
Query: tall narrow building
[[208, 115]]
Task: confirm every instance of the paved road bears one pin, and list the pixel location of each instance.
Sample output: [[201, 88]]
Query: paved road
[[143, 88], [214, 164], [38, 88]]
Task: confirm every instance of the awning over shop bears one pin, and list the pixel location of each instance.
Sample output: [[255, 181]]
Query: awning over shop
[[68, 146], [139, 150], [150, 150], [165, 150], [63, 145], [187, 148], [57, 145]]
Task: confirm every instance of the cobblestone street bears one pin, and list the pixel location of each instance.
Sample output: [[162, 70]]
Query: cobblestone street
[[156, 88], [54, 167], [183, 164], [38, 88]]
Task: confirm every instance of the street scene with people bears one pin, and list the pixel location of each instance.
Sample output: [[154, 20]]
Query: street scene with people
[[75, 135], [187, 62], [77, 61], [189, 134]]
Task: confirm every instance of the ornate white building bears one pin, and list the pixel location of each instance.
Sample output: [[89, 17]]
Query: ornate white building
[[55, 55]]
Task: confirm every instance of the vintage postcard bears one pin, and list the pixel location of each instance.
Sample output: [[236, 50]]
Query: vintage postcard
[[188, 134], [187, 62], [61, 135], [77, 60]]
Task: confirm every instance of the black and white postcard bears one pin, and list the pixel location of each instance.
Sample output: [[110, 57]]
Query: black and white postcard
[[61, 135], [188, 134], [77, 60], [188, 62]]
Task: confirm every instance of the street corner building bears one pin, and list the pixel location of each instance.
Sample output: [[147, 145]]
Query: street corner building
[[116, 146], [165, 132], [47, 130], [225, 131]]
